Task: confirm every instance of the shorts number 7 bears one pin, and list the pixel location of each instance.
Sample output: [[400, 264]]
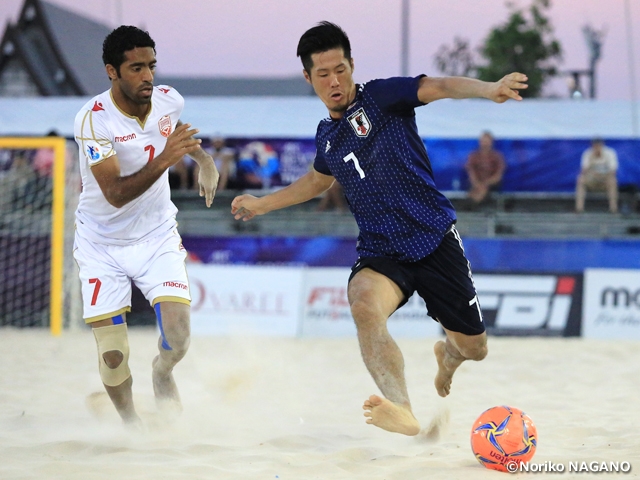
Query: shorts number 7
[[96, 289], [352, 156]]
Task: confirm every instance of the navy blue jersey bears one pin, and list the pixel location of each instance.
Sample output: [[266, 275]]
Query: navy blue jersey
[[375, 152]]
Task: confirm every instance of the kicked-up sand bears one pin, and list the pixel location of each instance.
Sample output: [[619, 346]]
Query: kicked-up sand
[[290, 409]]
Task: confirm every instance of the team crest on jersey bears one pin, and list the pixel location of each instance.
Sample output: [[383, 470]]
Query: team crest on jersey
[[93, 151], [165, 126], [360, 123]]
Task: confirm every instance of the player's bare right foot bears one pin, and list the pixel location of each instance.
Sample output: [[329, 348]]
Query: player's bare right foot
[[390, 416], [165, 390], [447, 365]]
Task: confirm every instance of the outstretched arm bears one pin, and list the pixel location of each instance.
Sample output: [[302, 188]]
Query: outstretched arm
[[308, 186], [433, 88], [208, 175]]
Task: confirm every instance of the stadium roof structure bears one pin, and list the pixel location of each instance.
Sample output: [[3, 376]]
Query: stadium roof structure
[[52, 51]]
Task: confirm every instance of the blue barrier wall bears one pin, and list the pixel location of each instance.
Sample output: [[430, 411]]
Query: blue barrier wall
[[485, 255], [533, 165]]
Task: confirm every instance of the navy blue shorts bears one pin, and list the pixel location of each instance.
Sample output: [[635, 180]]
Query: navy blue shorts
[[443, 279]]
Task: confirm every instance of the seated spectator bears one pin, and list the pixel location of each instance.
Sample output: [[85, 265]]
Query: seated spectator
[[485, 168], [598, 169], [258, 166], [225, 160]]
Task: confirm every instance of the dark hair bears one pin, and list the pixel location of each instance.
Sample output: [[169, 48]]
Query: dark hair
[[324, 36], [121, 40]]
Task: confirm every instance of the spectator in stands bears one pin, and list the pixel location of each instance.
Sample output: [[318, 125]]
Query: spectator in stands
[[485, 168], [225, 159], [179, 174], [43, 159], [184, 174], [16, 183], [258, 166], [333, 199], [598, 169]]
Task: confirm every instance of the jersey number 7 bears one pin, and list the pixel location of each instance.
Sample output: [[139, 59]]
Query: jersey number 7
[[356, 163], [152, 152]]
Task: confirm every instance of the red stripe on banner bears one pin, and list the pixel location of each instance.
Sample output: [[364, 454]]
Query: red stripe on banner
[[565, 285]]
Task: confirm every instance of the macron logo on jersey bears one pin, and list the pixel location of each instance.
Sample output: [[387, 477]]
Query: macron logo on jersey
[[97, 107], [179, 285], [131, 136], [360, 123], [164, 90], [328, 147]]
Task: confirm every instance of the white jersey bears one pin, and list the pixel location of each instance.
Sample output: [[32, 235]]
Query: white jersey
[[102, 130], [605, 163]]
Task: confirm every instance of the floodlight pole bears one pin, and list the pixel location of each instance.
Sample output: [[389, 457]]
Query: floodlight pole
[[635, 130], [404, 52]]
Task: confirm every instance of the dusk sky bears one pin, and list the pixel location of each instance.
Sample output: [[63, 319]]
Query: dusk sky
[[256, 37]]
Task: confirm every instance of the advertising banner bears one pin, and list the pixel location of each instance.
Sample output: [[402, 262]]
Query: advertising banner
[[543, 305], [312, 302], [547, 305], [611, 304], [246, 300]]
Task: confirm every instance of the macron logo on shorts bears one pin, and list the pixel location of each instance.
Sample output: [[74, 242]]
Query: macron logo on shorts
[[176, 285]]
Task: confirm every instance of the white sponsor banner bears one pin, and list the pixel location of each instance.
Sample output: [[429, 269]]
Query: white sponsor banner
[[611, 304], [297, 301], [326, 310], [245, 300], [526, 302]]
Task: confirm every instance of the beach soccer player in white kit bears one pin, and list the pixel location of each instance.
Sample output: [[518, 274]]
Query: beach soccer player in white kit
[[126, 230]]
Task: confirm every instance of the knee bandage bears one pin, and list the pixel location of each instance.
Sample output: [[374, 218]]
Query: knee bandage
[[109, 339]]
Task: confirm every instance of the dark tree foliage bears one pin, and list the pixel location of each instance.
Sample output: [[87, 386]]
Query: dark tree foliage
[[524, 44], [456, 60]]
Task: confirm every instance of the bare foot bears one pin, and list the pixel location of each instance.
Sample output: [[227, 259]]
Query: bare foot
[[165, 390], [390, 416], [447, 366]]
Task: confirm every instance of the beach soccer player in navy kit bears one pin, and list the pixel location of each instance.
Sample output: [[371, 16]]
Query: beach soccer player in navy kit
[[408, 241]]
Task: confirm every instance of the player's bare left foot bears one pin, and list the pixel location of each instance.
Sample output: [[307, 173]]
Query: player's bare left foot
[[165, 389], [390, 416], [447, 365]]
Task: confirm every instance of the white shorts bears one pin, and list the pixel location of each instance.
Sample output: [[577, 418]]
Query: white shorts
[[157, 267]]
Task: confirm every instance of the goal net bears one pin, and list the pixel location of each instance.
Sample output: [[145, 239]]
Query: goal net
[[39, 188]]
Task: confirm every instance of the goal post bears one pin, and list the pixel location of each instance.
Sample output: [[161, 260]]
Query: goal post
[[57, 224]]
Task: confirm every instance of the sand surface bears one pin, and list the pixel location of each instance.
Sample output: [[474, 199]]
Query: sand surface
[[275, 408]]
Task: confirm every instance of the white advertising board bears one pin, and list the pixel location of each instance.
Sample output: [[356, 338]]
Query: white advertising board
[[527, 304], [312, 302], [245, 300], [611, 304]]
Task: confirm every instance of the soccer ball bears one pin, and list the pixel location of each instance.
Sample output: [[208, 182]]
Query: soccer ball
[[503, 437]]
